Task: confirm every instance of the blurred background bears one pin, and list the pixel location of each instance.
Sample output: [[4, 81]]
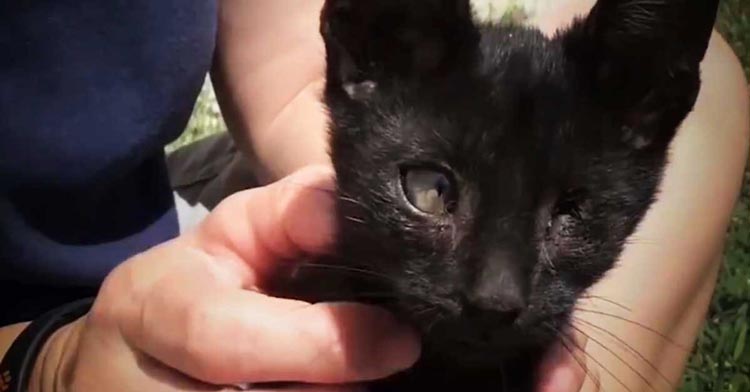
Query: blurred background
[[721, 359]]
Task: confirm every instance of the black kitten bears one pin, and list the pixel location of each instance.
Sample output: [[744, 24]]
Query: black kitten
[[488, 175]]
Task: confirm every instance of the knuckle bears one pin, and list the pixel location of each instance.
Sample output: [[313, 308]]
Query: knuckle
[[231, 201], [285, 191], [110, 308], [333, 350]]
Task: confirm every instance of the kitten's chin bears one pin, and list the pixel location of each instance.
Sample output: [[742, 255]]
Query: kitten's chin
[[470, 344], [482, 346]]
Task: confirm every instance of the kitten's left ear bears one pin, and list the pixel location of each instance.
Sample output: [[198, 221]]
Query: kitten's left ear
[[641, 60]]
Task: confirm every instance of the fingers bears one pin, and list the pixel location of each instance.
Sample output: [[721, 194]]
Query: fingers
[[229, 336], [183, 303], [564, 369], [264, 226]]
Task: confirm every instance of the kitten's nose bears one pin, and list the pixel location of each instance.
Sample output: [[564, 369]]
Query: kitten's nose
[[500, 287], [504, 296]]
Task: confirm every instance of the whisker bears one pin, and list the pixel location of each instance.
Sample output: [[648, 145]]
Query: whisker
[[441, 138], [347, 268], [629, 348], [333, 297], [641, 241], [619, 358], [607, 300], [355, 220], [645, 327], [356, 203], [596, 361], [589, 374], [350, 199]]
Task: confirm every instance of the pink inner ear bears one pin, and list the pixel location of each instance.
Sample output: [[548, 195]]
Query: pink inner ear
[[360, 91]]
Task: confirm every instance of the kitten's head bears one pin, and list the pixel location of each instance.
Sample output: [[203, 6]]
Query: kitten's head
[[488, 175]]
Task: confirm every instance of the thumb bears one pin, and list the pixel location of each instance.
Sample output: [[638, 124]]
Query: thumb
[[261, 227]]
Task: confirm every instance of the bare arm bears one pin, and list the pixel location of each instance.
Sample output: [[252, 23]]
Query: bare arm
[[667, 274], [268, 75]]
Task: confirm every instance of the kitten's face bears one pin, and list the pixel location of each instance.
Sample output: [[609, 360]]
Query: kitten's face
[[489, 176], [491, 198]]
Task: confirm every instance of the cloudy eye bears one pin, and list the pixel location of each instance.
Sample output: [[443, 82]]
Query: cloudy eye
[[429, 191]]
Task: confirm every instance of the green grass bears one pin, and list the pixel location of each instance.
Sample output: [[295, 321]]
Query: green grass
[[205, 121], [734, 24], [721, 359]]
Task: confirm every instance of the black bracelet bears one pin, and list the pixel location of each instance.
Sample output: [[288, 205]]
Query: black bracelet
[[19, 360]]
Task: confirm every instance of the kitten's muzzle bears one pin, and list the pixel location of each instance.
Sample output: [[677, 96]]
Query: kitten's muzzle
[[499, 289], [483, 319]]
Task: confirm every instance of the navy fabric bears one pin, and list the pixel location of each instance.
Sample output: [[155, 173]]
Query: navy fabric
[[90, 93]]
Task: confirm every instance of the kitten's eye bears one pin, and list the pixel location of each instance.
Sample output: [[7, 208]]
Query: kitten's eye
[[429, 191], [566, 210]]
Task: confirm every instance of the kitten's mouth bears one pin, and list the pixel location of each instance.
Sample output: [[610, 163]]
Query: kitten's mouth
[[475, 332], [482, 339], [474, 345]]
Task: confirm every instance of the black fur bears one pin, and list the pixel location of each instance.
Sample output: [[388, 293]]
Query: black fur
[[557, 148]]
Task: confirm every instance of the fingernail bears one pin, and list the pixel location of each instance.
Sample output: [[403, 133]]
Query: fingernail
[[400, 350]]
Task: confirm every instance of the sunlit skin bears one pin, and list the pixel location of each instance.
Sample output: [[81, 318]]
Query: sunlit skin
[[191, 307], [679, 242], [268, 75]]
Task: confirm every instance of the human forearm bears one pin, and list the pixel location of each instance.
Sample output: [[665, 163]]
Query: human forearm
[[668, 272], [268, 75]]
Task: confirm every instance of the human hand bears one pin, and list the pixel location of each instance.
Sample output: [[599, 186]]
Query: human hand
[[564, 367], [188, 315]]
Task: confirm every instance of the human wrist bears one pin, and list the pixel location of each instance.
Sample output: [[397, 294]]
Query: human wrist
[[8, 334], [54, 366]]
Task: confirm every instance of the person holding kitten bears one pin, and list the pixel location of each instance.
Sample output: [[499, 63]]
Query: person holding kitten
[[88, 101]]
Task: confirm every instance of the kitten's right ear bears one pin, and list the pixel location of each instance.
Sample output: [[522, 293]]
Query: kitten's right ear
[[369, 41]]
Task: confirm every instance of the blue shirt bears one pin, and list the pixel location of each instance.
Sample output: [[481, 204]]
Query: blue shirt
[[90, 93]]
